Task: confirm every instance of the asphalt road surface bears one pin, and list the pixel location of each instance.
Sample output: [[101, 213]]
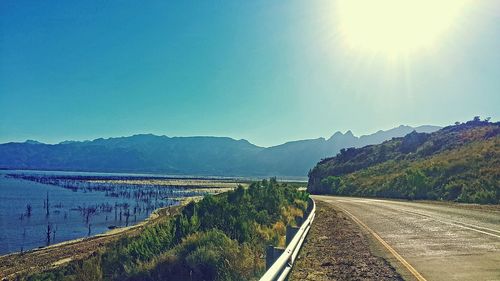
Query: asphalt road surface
[[439, 241]]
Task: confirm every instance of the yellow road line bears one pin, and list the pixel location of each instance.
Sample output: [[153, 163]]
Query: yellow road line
[[398, 256]]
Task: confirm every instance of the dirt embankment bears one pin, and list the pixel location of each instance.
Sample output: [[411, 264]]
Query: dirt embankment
[[337, 249]]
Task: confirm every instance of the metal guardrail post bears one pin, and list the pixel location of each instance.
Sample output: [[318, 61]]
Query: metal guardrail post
[[284, 258], [300, 221], [272, 254], [269, 256], [290, 233], [278, 251]]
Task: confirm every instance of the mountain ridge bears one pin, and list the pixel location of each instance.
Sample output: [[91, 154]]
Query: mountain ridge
[[194, 155]]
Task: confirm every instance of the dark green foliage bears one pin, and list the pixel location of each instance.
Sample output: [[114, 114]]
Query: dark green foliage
[[413, 141], [330, 184], [457, 163], [202, 256], [221, 237]]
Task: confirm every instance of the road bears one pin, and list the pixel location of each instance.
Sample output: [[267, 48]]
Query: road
[[439, 241]]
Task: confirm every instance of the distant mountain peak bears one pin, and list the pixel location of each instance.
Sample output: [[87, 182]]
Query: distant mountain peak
[[244, 141], [336, 135], [146, 135], [339, 134], [32, 142], [68, 142]]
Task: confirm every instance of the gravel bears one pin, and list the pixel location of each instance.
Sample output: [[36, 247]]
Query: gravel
[[336, 249]]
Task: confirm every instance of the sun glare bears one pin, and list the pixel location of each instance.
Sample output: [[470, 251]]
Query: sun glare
[[396, 27]]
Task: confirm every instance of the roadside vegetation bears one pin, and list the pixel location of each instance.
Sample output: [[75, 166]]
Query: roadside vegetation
[[221, 237], [457, 163]]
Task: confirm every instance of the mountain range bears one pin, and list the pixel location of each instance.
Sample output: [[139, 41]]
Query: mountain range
[[214, 156]]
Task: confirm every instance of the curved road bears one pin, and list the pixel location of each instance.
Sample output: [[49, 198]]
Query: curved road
[[440, 241]]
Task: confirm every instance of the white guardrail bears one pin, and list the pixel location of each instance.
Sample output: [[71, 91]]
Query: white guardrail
[[283, 264]]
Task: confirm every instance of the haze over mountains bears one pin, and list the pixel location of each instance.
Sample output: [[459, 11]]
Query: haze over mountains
[[215, 156]]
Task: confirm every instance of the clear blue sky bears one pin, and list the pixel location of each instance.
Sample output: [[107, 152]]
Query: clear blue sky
[[266, 71]]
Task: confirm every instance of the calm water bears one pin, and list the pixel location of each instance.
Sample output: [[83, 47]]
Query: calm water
[[72, 208]]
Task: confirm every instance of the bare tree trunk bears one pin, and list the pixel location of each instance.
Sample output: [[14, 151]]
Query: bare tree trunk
[[28, 210], [54, 234], [49, 230], [47, 205]]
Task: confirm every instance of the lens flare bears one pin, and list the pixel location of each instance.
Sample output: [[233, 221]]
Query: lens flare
[[396, 27]]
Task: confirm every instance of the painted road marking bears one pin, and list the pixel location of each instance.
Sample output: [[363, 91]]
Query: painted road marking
[[476, 228], [408, 266], [459, 224], [468, 226]]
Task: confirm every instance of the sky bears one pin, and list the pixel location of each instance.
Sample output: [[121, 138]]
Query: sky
[[265, 71]]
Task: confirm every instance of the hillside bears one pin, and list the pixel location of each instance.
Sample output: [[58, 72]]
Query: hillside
[[218, 156], [458, 163]]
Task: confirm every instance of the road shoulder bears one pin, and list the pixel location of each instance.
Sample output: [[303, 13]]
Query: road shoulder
[[338, 249]]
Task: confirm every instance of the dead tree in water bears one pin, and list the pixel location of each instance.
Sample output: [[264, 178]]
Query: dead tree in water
[[127, 215], [47, 205], [28, 210], [24, 240], [89, 226], [54, 233], [49, 231], [88, 213]]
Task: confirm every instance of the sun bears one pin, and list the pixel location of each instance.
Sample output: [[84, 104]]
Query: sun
[[396, 27]]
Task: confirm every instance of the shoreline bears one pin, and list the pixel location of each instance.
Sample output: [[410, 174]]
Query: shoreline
[[116, 231], [185, 189], [17, 263]]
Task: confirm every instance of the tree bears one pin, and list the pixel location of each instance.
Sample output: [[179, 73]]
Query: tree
[[330, 185]]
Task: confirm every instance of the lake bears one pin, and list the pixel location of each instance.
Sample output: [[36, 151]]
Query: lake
[[79, 205]]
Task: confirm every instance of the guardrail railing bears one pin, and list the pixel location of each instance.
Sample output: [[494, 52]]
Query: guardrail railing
[[279, 262]]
